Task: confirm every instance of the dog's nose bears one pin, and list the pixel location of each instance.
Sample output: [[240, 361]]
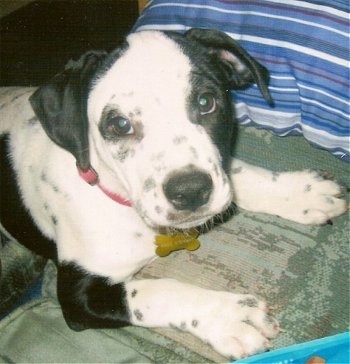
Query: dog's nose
[[188, 189]]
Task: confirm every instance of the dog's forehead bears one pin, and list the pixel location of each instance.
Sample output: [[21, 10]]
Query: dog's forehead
[[153, 68]]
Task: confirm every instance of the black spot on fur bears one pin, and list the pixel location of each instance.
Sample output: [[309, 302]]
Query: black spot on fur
[[249, 302], [248, 322], [44, 178], [134, 293], [307, 188], [138, 314], [149, 184], [194, 323]]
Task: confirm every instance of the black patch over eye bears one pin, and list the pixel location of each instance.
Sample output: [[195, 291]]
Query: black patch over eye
[[206, 103], [119, 126]]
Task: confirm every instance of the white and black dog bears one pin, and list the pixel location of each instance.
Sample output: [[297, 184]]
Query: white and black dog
[[151, 127]]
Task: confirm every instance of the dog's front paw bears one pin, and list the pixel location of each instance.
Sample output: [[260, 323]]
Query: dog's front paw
[[239, 327], [313, 198]]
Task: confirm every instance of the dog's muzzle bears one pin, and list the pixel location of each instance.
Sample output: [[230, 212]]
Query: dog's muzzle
[[188, 189]]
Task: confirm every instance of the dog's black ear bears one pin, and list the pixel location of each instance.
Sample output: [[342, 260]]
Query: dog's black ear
[[61, 106], [241, 69]]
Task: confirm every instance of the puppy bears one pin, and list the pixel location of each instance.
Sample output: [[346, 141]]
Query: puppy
[[120, 147]]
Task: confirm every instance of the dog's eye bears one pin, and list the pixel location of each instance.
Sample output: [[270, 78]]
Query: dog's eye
[[206, 103], [120, 126]]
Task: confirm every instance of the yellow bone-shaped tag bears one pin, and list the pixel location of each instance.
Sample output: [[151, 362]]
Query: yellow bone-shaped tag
[[177, 241]]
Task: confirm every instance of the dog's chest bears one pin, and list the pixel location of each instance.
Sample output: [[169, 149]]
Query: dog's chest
[[102, 236], [116, 252]]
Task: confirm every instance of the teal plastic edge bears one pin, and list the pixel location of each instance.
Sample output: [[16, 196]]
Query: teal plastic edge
[[334, 349]]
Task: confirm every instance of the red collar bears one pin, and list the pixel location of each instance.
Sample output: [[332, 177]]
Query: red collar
[[91, 177]]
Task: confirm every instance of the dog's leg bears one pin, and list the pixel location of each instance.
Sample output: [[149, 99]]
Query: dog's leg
[[303, 196], [235, 325], [90, 301]]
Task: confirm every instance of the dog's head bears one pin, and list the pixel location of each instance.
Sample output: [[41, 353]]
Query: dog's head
[[154, 118]]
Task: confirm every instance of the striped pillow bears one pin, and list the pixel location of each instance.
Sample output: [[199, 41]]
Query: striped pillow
[[305, 46]]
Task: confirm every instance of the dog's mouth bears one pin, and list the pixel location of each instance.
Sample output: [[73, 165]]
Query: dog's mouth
[[202, 223], [176, 223], [186, 220]]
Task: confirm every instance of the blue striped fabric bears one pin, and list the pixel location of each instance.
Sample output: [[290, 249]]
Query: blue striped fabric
[[305, 46]]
